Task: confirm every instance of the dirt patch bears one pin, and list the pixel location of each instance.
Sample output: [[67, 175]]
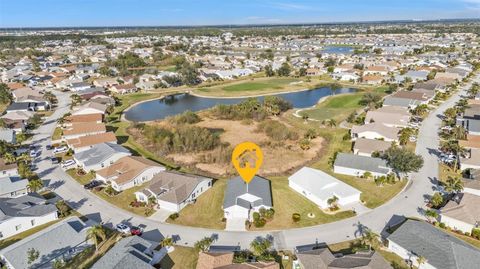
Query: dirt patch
[[280, 157]]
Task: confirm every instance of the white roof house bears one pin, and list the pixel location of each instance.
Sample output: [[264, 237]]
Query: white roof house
[[318, 187]]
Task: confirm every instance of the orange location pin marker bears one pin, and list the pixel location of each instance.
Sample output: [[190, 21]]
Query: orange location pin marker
[[247, 158]]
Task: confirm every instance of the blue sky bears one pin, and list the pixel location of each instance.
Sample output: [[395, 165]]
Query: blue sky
[[57, 13]]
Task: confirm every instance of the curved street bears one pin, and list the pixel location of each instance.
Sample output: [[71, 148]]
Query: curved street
[[407, 203]]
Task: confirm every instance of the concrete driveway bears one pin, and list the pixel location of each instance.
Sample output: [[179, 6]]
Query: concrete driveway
[[235, 224]]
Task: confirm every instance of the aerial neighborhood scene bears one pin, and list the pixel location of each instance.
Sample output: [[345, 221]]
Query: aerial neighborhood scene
[[240, 134]]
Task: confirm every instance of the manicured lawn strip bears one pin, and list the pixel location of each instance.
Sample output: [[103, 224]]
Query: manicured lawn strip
[[123, 199], [82, 179], [468, 239], [13, 239], [3, 107], [286, 201], [180, 258], [207, 211], [57, 133]]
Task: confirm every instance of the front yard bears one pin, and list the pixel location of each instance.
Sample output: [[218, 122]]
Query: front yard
[[180, 258], [80, 176], [123, 200]]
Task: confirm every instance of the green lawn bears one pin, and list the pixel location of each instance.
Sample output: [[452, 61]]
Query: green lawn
[[82, 178], [336, 107], [123, 199], [57, 133], [180, 258]]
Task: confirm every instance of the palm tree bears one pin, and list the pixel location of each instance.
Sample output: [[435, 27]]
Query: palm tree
[[260, 246], [431, 214], [332, 202], [459, 132], [454, 184], [35, 185], [370, 238], [9, 157], [421, 260], [166, 242], [97, 234]]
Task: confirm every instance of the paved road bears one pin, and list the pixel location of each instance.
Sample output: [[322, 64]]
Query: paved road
[[408, 203]]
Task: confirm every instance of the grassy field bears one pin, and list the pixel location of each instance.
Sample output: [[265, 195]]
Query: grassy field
[[180, 258], [263, 85], [82, 179], [336, 107]]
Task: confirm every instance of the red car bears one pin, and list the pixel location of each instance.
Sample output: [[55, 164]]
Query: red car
[[136, 231]]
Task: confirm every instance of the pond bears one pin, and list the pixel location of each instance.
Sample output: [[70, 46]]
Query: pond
[[338, 50], [175, 104]]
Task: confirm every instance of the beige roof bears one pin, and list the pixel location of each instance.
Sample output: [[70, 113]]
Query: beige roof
[[22, 93], [97, 117], [371, 145], [463, 207], [411, 95], [372, 78], [473, 158], [388, 132], [473, 141], [125, 169], [90, 140], [178, 186], [4, 166], [93, 105], [387, 118], [85, 128], [377, 68], [394, 110], [214, 260]]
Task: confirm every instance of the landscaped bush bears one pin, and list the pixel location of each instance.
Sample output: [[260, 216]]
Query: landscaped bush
[[277, 131], [296, 217], [476, 233], [111, 191], [181, 139], [174, 216], [442, 225], [137, 204], [259, 223], [184, 118]]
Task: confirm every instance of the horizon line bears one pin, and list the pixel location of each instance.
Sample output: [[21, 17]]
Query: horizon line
[[243, 25]]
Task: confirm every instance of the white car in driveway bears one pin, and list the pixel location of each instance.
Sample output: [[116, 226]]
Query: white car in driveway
[[67, 163], [123, 228], [60, 149]]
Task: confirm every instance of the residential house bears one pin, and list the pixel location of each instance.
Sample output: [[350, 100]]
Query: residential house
[[472, 142], [8, 135], [372, 79], [131, 252], [8, 169], [100, 156], [61, 241], [387, 119], [76, 130], [376, 70], [79, 86], [366, 147], [105, 82], [25, 212], [90, 108], [471, 160], [224, 260], [322, 258], [319, 187], [129, 171], [123, 88], [173, 191], [86, 118], [430, 86], [440, 249], [471, 125], [462, 212], [242, 199], [86, 142], [356, 165], [414, 76], [13, 186], [407, 99], [375, 131]]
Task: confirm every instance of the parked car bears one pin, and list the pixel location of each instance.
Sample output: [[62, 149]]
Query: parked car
[[49, 147], [34, 153], [92, 184], [68, 163], [136, 231], [123, 228], [55, 160], [60, 149]]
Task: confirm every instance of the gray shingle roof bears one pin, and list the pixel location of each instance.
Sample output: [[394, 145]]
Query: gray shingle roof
[[441, 250], [128, 253], [403, 102], [259, 187], [362, 163], [52, 242], [100, 152], [31, 204], [12, 184]]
